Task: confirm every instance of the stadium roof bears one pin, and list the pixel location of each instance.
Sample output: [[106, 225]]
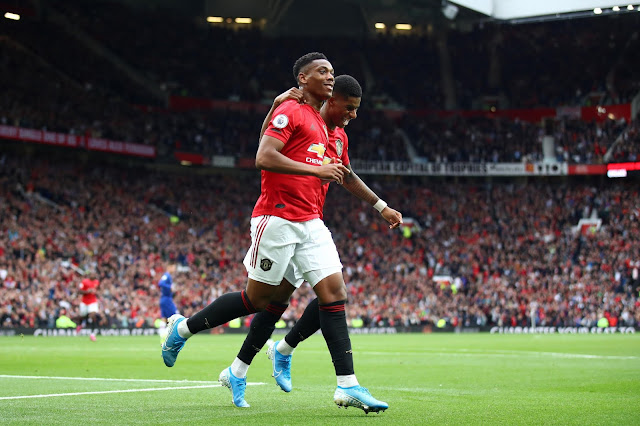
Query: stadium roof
[[339, 17], [518, 9], [357, 17]]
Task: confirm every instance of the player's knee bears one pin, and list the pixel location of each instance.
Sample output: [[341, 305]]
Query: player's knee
[[259, 294], [339, 294], [260, 303], [331, 289], [336, 293], [283, 293], [259, 300]]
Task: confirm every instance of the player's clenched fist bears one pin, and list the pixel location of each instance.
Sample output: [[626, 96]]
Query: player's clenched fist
[[333, 172], [392, 216]]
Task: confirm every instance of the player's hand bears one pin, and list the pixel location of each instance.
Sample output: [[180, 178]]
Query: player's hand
[[293, 93], [392, 216], [332, 161], [333, 172]]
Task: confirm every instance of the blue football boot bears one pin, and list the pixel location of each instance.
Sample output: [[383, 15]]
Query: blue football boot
[[173, 343], [359, 397], [236, 386], [281, 367]]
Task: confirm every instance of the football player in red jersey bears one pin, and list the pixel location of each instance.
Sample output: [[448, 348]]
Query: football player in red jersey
[[89, 302], [337, 113], [287, 230]]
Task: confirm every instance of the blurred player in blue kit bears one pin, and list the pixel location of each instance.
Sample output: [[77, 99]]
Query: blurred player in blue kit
[[167, 306]]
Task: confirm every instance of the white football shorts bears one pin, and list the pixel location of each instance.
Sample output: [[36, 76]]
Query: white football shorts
[[86, 309], [297, 251]]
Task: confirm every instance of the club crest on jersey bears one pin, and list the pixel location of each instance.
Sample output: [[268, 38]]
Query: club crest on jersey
[[280, 121], [339, 146], [265, 264], [318, 148]]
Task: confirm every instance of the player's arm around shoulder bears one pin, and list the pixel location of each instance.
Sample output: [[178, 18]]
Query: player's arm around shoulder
[[292, 94], [287, 118], [279, 130]]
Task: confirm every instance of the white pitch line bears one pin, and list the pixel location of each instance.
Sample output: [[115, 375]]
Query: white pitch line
[[103, 392], [11, 376], [570, 355], [216, 385], [489, 353]]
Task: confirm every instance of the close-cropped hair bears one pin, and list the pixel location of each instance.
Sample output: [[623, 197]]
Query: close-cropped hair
[[347, 86], [304, 61]]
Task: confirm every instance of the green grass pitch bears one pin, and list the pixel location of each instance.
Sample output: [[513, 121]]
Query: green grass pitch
[[439, 379]]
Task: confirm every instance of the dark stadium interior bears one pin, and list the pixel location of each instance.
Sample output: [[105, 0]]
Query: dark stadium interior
[[471, 91]]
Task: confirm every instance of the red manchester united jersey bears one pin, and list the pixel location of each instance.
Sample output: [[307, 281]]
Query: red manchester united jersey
[[85, 285], [337, 148], [304, 134], [338, 145]]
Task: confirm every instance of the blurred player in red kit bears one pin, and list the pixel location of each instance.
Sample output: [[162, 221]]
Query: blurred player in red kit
[[89, 303]]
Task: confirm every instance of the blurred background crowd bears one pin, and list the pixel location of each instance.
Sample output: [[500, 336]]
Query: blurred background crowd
[[475, 252], [90, 68], [510, 250]]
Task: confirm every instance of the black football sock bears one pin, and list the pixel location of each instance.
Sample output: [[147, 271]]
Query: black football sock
[[262, 327], [308, 324], [222, 310], [333, 321]]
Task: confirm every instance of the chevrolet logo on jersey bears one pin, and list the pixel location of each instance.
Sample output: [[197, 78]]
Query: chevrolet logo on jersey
[[318, 148]]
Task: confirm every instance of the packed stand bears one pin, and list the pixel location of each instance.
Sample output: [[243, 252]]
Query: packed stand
[[56, 83], [491, 59], [510, 250], [246, 64], [544, 64], [197, 59], [64, 53], [38, 96], [627, 148], [64, 106], [484, 139]]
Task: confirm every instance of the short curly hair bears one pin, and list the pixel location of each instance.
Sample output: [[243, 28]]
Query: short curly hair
[[347, 86], [304, 61]]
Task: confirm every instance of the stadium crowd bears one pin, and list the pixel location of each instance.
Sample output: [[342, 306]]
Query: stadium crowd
[[41, 99], [486, 59], [55, 82], [472, 254]]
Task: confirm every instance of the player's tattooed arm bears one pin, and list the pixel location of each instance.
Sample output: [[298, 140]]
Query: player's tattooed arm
[[357, 187]]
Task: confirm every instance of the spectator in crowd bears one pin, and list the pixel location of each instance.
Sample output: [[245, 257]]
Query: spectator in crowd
[[64, 321]]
